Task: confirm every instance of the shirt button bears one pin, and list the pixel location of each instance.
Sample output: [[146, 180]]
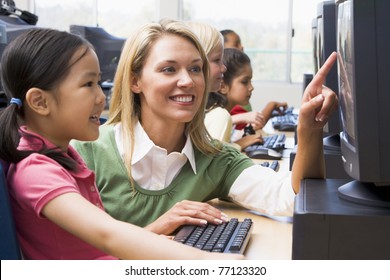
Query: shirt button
[[92, 188]]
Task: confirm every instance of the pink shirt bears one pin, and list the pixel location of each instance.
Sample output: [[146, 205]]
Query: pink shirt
[[33, 182]]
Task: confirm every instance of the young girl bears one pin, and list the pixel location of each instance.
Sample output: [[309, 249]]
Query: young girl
[[52, 78], [155, 162], [236, 88], [217, 120]]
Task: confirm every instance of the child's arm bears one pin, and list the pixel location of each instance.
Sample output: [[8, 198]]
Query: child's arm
[[256, 119], [272, 105], [78, 216], [317, 103]]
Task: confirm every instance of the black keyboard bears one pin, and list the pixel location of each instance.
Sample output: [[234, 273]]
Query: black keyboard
[[229, 237], [282, 112], [275, 142], [288, 120], [274, 165]]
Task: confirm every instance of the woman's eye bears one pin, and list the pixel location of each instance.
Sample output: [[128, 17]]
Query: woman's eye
[[196, 69], [168, 69]]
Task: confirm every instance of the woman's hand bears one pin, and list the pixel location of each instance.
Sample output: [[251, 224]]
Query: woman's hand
[[187, 212], [318, 101]]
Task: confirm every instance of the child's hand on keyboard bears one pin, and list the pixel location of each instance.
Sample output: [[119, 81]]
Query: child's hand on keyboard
[[249, 140], [187, 212]]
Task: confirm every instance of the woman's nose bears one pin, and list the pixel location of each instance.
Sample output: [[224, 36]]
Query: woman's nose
[[185, 80]]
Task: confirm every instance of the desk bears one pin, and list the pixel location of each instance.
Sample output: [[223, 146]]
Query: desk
[[271, 237]]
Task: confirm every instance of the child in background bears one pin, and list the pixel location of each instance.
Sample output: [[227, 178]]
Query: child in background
[[53, 81], [231, 39], [236, 89], [237, 86], [242, 115]]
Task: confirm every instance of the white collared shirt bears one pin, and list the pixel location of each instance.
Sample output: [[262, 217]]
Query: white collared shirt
[[152, 167], [257, 188]]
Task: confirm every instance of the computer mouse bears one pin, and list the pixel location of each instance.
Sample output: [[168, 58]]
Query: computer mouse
[[286, 127], [264, 153]]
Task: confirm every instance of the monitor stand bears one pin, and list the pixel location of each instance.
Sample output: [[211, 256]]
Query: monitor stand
[[365, 193], [332, 142], [326, 226]]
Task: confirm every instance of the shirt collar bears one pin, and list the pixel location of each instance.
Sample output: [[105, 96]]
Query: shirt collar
[[143, 145]]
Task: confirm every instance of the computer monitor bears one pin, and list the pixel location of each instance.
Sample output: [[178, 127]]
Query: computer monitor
[[363, 44], [326, 44], [10, 28], [108, 48], [314, 35]]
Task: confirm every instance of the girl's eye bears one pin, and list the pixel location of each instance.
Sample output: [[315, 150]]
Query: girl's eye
[[89, 84], [246, 82]]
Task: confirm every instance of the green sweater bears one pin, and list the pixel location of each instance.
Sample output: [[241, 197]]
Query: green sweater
[[215, 175]]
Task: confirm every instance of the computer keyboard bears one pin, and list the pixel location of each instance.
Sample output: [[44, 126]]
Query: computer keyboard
[[282, 112], [274, 165], [229, 237], [275, 142], [286, 122]]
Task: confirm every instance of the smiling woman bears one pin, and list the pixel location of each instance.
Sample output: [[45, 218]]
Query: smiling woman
[[171, 88]]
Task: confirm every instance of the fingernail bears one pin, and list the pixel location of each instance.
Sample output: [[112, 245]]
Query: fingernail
[[224, 217], [203, 222], [320, 98], [321, 118], [218, 221]]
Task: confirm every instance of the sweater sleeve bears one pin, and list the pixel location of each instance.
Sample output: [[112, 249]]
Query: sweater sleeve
[[219, 124]]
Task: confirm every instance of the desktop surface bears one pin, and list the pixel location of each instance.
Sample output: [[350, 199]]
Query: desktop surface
[[271, 237], [329, 227]]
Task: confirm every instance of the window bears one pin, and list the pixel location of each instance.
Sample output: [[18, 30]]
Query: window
[[275, 34], [265, 27], [118, 17]]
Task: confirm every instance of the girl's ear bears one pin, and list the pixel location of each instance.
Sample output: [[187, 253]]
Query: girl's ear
[[37, 101], [224, 88], [135, 87]]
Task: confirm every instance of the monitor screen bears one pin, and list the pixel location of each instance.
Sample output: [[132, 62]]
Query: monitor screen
[[326, 44], [363, 43], [108, 48]]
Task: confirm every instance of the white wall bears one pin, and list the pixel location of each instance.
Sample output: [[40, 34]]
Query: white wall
[[265, 92], [23, 4]]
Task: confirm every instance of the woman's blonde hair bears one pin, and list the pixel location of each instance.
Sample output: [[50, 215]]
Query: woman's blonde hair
[[125, 106]]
